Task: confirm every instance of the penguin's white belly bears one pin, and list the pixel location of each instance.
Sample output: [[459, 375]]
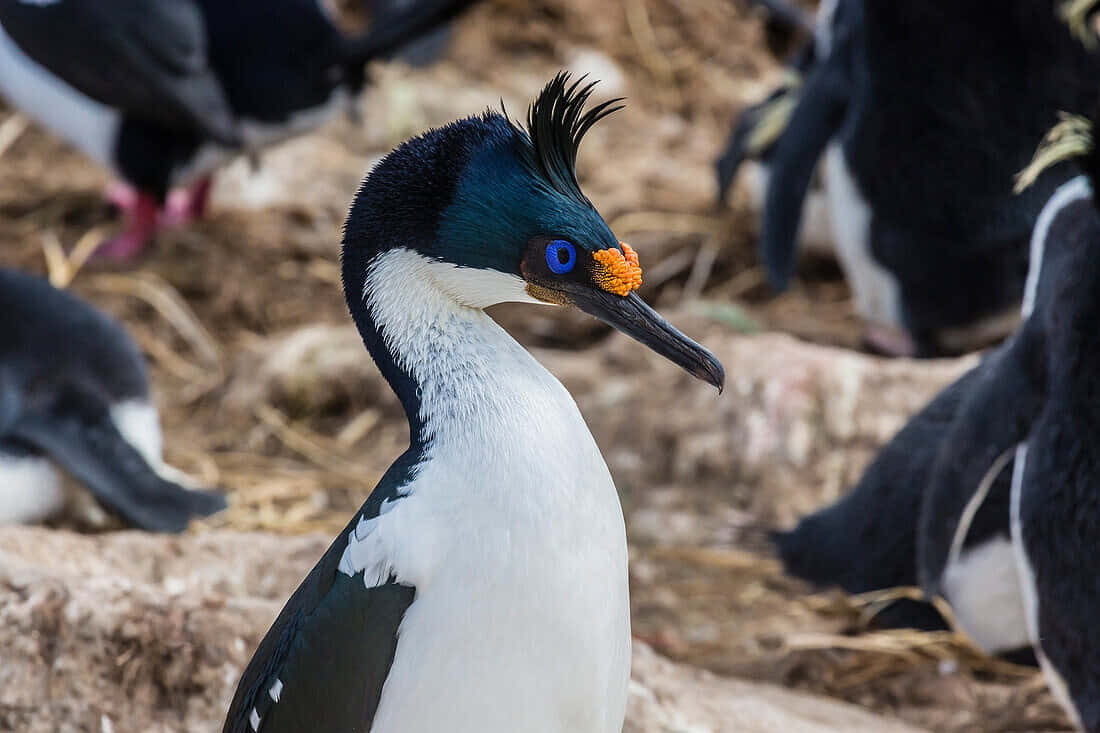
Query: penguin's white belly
[[139, 424], [30, 489], [90, 126], [875, 289], [984, 593]]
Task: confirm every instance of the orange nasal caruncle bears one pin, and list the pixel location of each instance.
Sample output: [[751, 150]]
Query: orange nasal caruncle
[[617, 272]]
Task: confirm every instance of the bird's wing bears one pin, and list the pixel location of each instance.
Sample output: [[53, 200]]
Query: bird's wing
[[993, 418], [148, 60], [399, 28], [818, 114], [11, 402], [758, 127], [749, 139], [322, 664], [82, 438], [866, 541]]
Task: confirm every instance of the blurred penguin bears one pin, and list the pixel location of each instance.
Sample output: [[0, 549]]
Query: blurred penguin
[[785, 24], [1041, 402], [868, 540], [164, 93], [74, 396], [756, 131], [923, 120]]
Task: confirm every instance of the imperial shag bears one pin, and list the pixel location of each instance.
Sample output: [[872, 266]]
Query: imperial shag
[[483, 585]]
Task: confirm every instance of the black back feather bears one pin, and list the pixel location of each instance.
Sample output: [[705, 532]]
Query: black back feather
[[556, 122]]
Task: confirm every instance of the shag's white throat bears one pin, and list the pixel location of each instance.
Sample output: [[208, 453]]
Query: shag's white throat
[[510, 529]]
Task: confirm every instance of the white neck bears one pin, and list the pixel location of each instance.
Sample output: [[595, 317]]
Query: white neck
[[468, 369], [510, 528]]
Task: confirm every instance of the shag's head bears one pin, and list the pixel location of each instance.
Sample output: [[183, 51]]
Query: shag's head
[[497, 215]]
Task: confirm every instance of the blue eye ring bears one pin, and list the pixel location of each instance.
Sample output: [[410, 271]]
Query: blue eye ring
[[556, 251]]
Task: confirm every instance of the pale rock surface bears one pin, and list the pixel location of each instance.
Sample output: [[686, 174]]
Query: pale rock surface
[[136, 632]]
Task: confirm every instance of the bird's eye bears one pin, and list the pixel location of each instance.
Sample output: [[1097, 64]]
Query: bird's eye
[[561, 256]]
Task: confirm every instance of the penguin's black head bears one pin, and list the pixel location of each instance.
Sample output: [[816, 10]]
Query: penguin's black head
[[494, 213]]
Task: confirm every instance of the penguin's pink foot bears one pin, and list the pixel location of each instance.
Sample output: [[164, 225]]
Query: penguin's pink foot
[[121, 196], [187, 205], [141, 227], [889, 341]]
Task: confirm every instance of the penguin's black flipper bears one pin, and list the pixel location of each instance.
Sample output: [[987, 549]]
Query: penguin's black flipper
[[424, 50], [748, 140], [398, 29], [994, 417], [148, 60], [739, 147], [867, 540], [821, 108], [89, 446], [11, 402]]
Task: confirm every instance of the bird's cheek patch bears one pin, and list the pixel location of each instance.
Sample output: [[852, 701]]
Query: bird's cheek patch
[[617, 271]]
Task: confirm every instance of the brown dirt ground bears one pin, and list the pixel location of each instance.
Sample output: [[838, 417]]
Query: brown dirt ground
[[264, 262]]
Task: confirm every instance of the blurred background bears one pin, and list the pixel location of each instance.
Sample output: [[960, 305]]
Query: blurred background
[[266, 392]]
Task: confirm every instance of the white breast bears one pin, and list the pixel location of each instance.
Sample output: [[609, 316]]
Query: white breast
[[984, 593], [981, 583], [30, 489], [875, 289], [511, 531], [90, 126]]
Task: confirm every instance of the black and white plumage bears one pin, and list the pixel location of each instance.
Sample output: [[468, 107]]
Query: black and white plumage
[[163, 94], [74, 395], [1041, 403], [483, 585], [748, 155], [924, 120], [753, 139], [891, 530]]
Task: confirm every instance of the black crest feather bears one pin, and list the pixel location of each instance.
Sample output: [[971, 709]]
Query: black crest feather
[[556, 122]]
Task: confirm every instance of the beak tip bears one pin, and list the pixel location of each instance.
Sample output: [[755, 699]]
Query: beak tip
[[712, 372]]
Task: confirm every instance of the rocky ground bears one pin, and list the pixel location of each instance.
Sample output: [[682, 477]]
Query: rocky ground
[[267, 393]]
